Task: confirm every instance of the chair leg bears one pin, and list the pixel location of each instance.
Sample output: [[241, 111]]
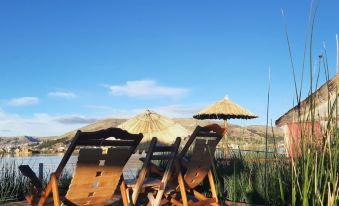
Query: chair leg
[[44, 194], [181, 185], [175, 202], [212, 187], [30, 199], [199, 196], [55, 190], [124, 193]]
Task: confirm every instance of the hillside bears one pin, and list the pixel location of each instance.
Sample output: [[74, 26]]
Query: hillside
[[245, 137], [101, 124], [251, 134], [18, 140]]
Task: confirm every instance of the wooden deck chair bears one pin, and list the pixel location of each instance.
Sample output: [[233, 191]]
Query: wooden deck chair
[[191, 172], [157, 185], [97, 173]]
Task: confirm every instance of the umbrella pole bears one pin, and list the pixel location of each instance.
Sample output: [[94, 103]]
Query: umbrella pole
[[225, 136], [225, 125]]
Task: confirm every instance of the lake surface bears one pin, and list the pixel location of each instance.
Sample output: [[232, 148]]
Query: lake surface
[[51, 162]]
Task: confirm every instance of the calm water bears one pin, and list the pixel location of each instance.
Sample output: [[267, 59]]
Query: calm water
[[51, 162]]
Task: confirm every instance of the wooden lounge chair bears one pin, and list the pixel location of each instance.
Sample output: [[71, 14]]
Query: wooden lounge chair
[[190, 172], [156, 186], [97, 173]]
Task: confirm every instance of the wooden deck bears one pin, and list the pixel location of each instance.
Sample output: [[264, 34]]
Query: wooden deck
[[23, 203]]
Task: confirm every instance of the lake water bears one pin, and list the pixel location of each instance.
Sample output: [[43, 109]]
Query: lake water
[[51, 162]]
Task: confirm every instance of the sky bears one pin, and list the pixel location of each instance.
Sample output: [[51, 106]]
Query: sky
[[66, 64]]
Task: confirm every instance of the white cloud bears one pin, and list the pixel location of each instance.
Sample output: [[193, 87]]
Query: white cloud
[[62, 94], [41, 124], [146, 88], [22, 101]]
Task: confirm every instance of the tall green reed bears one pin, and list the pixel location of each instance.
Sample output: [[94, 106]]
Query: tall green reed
[[14, 186], [315, 170]]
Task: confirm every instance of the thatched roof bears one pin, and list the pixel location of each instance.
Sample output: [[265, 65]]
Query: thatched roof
[[151, 125], [324, 97], [224, 109]]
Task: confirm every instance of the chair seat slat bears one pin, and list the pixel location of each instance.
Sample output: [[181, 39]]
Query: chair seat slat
[[161, 148], [162, 157]]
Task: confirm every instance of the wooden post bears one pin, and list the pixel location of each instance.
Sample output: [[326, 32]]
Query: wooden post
[[41, 172]]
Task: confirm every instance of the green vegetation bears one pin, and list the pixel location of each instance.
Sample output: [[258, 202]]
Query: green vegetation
[[241, 177], [12, 186], [315, 173]]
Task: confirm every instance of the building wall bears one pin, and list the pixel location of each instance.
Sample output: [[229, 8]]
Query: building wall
[[296, 134]]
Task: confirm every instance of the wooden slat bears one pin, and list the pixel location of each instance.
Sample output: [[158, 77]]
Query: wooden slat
[[189, 142], [200, 162], [83, 188], [148, 182], [162, 157], [111, 132], [162, 148], [94, 142]]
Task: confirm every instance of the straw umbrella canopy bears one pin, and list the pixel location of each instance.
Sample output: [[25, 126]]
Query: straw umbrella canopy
[[224, 109], [151, 124]]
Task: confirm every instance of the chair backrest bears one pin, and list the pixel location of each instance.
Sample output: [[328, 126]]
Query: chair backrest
[[204, 141], [167, 153], [98, 172]]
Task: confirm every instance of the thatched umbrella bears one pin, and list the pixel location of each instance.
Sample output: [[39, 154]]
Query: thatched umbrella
[[224, 109], [151, 124]]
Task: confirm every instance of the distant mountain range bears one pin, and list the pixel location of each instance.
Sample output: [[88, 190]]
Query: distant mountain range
[[18, 140], [254, 134]]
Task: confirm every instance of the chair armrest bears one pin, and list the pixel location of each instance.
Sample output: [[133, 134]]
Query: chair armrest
[[28, 172]]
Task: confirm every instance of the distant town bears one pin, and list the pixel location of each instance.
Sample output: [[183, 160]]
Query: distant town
[[26, 145]]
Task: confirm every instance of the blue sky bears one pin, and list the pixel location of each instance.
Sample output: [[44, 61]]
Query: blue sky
[[65, 64]]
